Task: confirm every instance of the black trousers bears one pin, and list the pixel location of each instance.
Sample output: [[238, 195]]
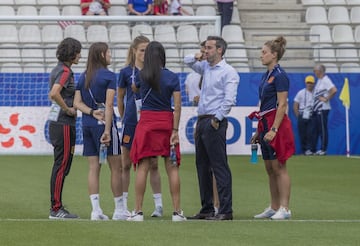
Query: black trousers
[[321, 129], [225, 11], [211, 158], [62, 138], [306, 133]]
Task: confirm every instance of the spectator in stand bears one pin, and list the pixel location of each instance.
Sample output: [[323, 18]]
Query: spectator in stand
[[95, 7], [176, 9], [161, 7], [303, 109], [225, 8], [140, 7]]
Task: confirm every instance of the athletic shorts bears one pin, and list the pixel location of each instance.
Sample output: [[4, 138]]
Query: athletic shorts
[[268, 153], [128, 133], [91, 140]]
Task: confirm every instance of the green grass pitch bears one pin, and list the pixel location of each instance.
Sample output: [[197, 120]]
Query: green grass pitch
[[325, 204]]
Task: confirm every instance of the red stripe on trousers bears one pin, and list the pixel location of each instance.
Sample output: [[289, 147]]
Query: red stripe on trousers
[[61, 171]]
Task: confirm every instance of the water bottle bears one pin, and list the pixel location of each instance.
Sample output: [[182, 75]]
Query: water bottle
[[173, 158], [254, 157], [102, 154]]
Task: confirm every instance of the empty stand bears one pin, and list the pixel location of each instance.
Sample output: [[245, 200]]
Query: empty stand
[[11, 34], [165, 34], [353, 2], [117, 11], [355, 15], [232, 34], [203, 2], [27, 10], [29, 34], [172, 55], [312, 2], [10, 53], [324, 53], [338, 15], [189, 9], [142, 29], [241, 67], [350, 68], [68, 2], [357, 34], [47, 2], [236, 55], [7, 2], [334, 2], [11, 68], [205, 31], [49, 11], [34, 68], [342, 34], [320, 34], [187, 36], [97, 33], [331, 67], [118, 2], [347, 53], [235, 18], [25, 2], [32, 53], [205, 11], [75, 31], [51, 34], [7, 11], [120, 35], [71, 10], [316, 15]]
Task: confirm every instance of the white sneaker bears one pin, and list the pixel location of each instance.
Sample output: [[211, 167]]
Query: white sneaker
[[120, 215], [178, 216], [268, 212], [138, 216], [281, 214], [216, 211], [98, 215], [320, 152], [158, 212], [308, 152]]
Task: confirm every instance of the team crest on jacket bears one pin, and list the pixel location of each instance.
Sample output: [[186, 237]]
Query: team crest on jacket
[[271, 79]]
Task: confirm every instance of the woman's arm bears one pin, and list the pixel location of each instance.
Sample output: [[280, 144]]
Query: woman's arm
[[109, 109], [55, 95], [120, 101], [177, 111]]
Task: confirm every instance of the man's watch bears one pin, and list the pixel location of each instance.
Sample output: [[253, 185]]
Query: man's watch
[[274, 129]]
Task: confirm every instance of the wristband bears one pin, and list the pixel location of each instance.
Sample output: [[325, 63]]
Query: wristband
[[175, 129], [91, 112]]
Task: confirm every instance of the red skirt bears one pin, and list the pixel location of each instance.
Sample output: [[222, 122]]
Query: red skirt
[[152, 136]]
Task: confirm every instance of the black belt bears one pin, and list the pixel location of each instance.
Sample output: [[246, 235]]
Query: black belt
[[205, 116]]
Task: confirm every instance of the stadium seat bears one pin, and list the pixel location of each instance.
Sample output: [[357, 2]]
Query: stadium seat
[[29, 34], [32, 53], [236, 55], [353, 2], [79, 68], [27, 10], [357, 34], [324, 53], [335, 2], [120, 35], [119, 56], [342, 34], [355, 15], [25, 2], [338, 15], [50, 54], [71, 10], [241, 67], [7, 2], [97, 33], [11, 68], [49, 11], [232, 34], [185, 3], [316, 15], [189, 9], [33, 68], [51, 34], [203, 2], [68, 2], [10, 53], [7, 11], [142, 29], [205, 11], [174, 67], [320, 34], [75, 31], [312, 2], [172, 55], [205, 31], [47, 2], [117, 11], [165, 34], [331, 67], [49, 67], [350, 68], [11, 34], [235, 18], [187, 35], [118, 2], [347, 53]]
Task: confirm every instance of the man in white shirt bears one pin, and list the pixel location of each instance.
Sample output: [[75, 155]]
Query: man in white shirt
[[303, 109], [323, 92], [218, 95]]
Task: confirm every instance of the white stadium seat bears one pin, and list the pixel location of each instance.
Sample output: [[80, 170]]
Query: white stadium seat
[[236, 55], [34, 68], [47, 2], [232, 34], [338, 15], [353, 2], [355, 15], [205, 31], [312, 2], [331, 67], [29, 34], [51, 34], [68, 2], [320, 34], [324, 53], [50, 54], [120, 35], [357, 34], [203, 2], [235, 18], [49, 11], [27, 10], [7, 11], [11, 68], [97, 33], [241, 67], [165, 34], [32, 53], [334, 2], [189, 9], [172, 55], [117, 10], [205, 11], [347, 53], [75, 31], [118, 2], [187, 35], [71, 10], [7, 2], [142, 29], [10, 53], [11, 34], [25, 2], [350, 68], [342, 34], [316, 15]]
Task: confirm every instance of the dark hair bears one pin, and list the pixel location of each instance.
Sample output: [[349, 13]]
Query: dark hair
[[96, 60], [220, 43], [130, 60], [68, 49], [154, 61], [277, 45], [202, 44]]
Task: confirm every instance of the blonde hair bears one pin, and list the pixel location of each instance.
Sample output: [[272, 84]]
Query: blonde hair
[[130, 60], [277, 45]]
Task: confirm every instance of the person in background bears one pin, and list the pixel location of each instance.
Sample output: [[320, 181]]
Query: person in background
[[218, 95], [94, 7], [161, 7], [95, 92], [140, 7], [156, 133], [303, 109], [62, 120], [176, 9], [324, 91], [274, 132], [225, 8], [127, 100]]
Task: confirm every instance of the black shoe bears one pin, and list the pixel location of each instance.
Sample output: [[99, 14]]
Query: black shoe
[[62, 213], [200, 216], [220, 217]]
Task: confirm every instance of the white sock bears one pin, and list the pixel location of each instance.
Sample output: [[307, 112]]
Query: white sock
[[119, 203], [157, 200], [125, 200], [95, 202]]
